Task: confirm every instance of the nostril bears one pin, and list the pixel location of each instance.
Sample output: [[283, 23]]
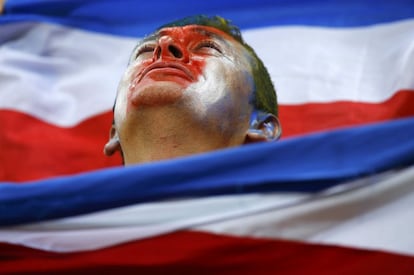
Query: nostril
[[175, 51], [158, 52]]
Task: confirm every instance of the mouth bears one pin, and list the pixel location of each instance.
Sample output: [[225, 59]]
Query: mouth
[[166, 69]]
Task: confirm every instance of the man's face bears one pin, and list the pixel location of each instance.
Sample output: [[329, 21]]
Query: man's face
[[197, 72]]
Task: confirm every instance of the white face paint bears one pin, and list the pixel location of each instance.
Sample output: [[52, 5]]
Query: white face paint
[[222, 98], [195, 71]]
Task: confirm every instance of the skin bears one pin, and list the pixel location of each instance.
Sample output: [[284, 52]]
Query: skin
[[186, 90]]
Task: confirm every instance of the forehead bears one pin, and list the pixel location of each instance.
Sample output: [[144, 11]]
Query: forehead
[[191, 33]]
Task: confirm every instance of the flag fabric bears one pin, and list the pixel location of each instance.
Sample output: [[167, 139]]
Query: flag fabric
[[334, 195]]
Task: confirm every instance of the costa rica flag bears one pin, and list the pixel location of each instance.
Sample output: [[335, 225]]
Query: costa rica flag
[[334, 195]]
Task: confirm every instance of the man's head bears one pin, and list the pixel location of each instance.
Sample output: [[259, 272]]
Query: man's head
[[192, 86]]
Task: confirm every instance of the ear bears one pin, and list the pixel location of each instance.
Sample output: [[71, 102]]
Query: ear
[[113, 144], [263, 127]]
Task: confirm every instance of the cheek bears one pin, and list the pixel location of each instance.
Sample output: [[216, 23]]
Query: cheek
[[197, 66], [131, 75], [121, 106], [228, 83], [215, 84], [210, 88], [223, 94], [120, 112]]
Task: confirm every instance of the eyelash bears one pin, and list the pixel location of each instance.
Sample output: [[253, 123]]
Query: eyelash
[[204, 44], [209, 44], [144, 49]]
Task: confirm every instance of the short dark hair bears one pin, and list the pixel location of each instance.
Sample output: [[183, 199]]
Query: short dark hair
[[265, 98]]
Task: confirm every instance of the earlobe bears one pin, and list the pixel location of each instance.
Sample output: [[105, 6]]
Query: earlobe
[[113, 144], [263, 127]]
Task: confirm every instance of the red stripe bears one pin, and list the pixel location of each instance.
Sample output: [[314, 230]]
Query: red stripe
[[313, 117], [33, 149], [202, 253]]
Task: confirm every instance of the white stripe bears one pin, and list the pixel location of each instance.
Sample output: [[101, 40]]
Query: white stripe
[[374, 212], [367, 64], [137, 222], [376, 217], [63, 76], [58, 74]]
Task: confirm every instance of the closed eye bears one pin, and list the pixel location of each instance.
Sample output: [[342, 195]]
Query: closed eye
[[144, 49], [210, 45]]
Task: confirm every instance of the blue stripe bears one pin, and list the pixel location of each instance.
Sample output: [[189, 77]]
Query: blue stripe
[[306, 164], [137, 18]]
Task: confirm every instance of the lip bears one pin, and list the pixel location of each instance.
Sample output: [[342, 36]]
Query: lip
[[170, 67]]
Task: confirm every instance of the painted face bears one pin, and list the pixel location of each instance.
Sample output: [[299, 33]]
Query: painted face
[[195, 71]]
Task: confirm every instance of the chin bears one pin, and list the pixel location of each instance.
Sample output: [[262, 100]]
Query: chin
[[156, 94]]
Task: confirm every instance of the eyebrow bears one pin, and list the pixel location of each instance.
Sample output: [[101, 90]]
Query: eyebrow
[[143, 41], [198, 29], [208, 33], [149, 38], [159, 33]]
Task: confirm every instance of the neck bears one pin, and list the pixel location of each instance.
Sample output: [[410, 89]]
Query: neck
[[161, 136], [165, 147]]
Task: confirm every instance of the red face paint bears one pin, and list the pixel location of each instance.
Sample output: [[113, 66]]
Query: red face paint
[[175, 57], [185, 82]]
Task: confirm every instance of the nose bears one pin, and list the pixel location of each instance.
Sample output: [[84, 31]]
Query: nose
[[169, 49]]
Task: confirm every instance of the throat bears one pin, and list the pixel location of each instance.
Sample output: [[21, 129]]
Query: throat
[[167, 132], [167, 147]]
